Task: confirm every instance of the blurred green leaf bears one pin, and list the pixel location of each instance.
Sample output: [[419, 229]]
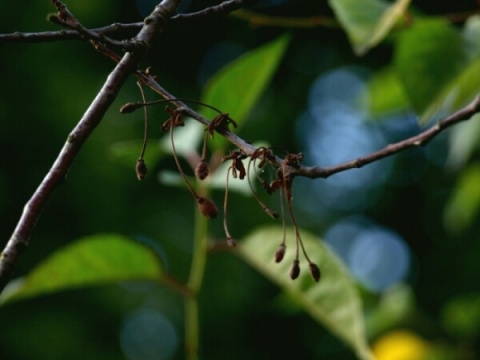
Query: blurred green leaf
[[333, 302], [464, 203], [392, 308], [446, 62], [95, 260], [385, 93], [462, 142], [187, 138], [127, 152], [461, 316], [237, 87], [428, 57], [471, 35], [368, 22]]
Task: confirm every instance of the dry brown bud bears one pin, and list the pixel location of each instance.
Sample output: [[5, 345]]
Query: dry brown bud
[[201, 171], [128, 108], [207, 207], [315, 272], [231, 242], [280, 253], [141, 169], [295, 271]]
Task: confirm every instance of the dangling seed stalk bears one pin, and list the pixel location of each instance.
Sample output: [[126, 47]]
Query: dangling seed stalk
[[230, 241]]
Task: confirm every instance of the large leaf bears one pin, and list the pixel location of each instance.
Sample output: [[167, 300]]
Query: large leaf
[[237, 87], [367, 22], [333, 302], [429, 56], [95, 260]]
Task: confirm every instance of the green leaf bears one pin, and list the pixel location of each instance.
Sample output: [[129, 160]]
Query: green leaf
[[394, 305], [471, 35], [461, 316], [463, 206], [127, 152], [385, 93], [94, 260], [333, 302], [462, 142], [367, 22], [237, 87], [435, 52]]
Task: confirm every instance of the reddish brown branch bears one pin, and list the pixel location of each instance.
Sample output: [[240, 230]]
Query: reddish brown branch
[[92, 117]]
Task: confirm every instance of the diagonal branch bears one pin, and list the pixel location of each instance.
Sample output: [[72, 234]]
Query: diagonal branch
[[421, 139], [315, 172], [220, 9], [18, 242]]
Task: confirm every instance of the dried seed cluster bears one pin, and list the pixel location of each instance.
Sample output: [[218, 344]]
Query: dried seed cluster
[[261, 158]]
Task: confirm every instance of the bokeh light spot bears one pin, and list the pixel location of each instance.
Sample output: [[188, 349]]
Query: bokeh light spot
[[378, 257], [148, 335]]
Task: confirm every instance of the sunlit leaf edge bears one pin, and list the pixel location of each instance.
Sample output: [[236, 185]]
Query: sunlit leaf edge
[[90, 261]]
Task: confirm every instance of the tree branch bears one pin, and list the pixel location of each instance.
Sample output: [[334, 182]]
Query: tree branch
[[18, 242], [315, 172], [62, 35], [223, 8], [421, 139], [79, 32]]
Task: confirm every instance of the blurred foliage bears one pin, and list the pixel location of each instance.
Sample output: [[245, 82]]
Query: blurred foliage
[[417, 57]]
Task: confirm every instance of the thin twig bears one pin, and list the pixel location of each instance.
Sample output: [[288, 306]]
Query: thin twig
[[221, 9], [79, 32], [421, 139], [61, 35]]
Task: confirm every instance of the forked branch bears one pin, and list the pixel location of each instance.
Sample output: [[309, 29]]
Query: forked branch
[[92, 117]]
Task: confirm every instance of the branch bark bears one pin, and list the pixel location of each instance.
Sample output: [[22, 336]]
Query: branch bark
[[18, 242]]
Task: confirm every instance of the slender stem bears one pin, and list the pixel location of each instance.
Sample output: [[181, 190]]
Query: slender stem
[[145, 113], [200, 248], [191, 328], [225, 202], [180, 169]]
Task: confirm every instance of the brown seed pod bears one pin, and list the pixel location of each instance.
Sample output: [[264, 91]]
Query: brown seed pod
[[141, 169], [207, 207], [129, 108], [315, 272], [280, 253], [295, 271], [201, 171]]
